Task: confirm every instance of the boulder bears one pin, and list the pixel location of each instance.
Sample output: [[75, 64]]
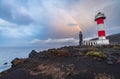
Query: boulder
[[33, 54], [110, 62], [109, 58], [17, 61], [5, 63], [115, 55]]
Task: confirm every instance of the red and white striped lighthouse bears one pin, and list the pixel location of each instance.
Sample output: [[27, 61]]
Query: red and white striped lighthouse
[[99, 18]]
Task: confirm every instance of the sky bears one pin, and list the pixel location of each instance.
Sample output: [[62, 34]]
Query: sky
[[54, 22]]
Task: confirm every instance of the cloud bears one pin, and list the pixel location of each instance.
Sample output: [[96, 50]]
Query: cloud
[[14, 31], [112, 30], [64, 41], [14, 13], [55, 19], [72, 24]]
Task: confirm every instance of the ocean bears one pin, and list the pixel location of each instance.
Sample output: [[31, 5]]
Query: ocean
[[7, 54]]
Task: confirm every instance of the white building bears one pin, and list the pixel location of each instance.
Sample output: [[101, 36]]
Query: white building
[[96, 42]]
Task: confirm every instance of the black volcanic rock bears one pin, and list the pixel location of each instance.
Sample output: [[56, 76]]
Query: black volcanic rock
[[17, 61], [33, 54], [39, 55], [69, 62], [24, 74]]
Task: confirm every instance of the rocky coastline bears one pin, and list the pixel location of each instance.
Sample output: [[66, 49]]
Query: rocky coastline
[[69, 62]]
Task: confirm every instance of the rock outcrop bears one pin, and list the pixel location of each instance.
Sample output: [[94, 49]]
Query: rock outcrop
[[17, 61]]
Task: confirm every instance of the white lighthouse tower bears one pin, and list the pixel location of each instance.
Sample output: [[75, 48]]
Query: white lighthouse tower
[[99, 18]]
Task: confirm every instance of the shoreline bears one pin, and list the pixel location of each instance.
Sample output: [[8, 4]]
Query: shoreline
[[67, 62]]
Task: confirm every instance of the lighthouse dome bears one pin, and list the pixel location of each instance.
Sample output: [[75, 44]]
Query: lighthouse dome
[[100, 15]]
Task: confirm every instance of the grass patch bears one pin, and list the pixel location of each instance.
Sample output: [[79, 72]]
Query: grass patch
[[96, 54]]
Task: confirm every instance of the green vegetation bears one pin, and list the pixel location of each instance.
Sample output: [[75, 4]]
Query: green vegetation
[[96, 54]]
